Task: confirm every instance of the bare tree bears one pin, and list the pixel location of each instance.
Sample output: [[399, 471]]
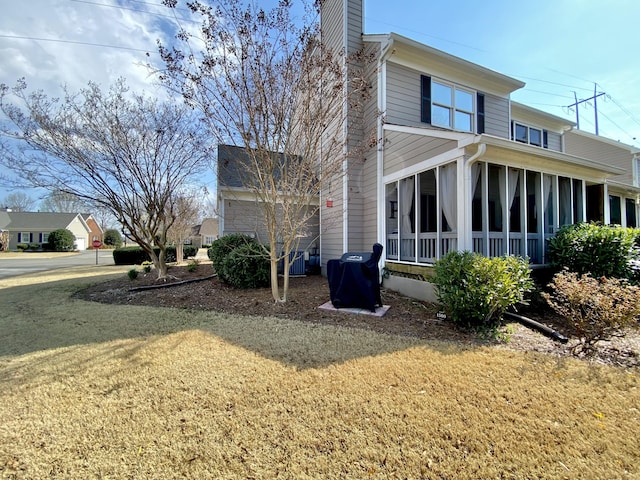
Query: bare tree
[[264, 81], [63, 202], [117, 149], [18, 202], [188, 208]]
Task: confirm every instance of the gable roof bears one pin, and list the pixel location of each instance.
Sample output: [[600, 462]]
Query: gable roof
[[38, 220], [406, 49]]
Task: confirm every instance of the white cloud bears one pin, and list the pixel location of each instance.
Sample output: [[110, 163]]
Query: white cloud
[[71, 42]]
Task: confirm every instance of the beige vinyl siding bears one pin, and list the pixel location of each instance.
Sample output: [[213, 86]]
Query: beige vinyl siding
[[554, 141], [354, 26], [403, 102], [496, 116], [332, 25], [602, 151], [246, 217], [403, 150], [403, 96], [369, 177]]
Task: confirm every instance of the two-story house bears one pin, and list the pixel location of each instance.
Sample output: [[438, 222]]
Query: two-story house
[[459, 165]]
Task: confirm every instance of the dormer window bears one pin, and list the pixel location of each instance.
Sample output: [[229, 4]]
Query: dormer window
[[447, 105], [530, 135]]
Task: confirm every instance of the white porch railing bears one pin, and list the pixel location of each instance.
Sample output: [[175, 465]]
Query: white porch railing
[[497, 243], [427, 246], [427, 243]]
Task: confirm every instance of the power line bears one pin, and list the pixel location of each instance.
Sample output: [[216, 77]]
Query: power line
[[58, 40], [120, 7]]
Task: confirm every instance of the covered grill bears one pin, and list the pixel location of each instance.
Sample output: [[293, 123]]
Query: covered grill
[[354, 280]]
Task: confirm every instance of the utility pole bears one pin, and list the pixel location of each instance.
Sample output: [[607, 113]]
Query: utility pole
[[595, 105]]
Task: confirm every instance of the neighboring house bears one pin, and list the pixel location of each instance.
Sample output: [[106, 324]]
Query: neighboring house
[[34, 227], [239, 211], [458, 165], [204, 234], [95, 231]]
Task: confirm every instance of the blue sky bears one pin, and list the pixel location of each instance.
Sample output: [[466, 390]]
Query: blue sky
[[556, 47]]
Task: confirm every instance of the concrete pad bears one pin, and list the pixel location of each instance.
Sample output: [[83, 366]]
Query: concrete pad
[[380, 311]]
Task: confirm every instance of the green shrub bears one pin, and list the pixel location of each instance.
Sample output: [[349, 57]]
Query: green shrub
[[22, 246], [476, 291], [223, 246], [247, 266], [193, 265], [146, 266], [61, 240], [599, 250], [34, 246], [593, 309], [132, 274], [188, 251], [112, 238], [129, 256]]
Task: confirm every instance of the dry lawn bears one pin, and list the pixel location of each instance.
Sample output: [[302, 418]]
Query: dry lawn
[[118, 391]]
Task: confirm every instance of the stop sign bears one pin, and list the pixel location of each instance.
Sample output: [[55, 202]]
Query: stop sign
[[97, 244]]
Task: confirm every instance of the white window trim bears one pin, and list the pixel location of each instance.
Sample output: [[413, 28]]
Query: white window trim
[[452, 107], [516, 124]]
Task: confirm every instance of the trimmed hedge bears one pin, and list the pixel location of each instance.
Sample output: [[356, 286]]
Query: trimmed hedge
[[476, 290], [247, 266], [61, 240], [136, 255], [224, 246], [599, 250]]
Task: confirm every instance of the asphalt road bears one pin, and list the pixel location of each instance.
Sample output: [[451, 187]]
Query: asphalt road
[[35, 262]]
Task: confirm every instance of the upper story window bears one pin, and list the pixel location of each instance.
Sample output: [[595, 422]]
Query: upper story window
[[448, 106], [531, 135]]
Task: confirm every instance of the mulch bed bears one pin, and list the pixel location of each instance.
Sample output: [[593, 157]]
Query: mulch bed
[[407, 316]]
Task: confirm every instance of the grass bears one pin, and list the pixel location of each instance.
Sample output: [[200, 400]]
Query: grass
[[104, 391]]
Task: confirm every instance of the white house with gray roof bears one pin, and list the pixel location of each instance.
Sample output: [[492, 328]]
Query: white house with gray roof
[[34, 227]]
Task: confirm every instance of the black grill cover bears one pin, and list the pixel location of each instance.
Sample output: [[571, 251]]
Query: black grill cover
[[354, 280]]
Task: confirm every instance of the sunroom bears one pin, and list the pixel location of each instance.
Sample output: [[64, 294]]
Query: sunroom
[[498, 197]]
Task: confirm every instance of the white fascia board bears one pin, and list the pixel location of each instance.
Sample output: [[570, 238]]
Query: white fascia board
[[546, 154], [429, 132]]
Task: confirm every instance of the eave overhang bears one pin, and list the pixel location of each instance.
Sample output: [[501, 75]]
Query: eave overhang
[[519, 155]]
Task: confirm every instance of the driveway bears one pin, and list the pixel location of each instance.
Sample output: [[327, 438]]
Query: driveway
[[13, 264]]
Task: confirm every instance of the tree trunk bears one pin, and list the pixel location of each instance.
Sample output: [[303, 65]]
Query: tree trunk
[[275, 291], [159, 262], [179, 251]]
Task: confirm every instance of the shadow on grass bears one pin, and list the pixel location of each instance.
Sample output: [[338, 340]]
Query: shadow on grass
[[43, 317]]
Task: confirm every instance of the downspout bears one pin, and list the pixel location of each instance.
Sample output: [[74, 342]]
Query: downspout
[[468, 240], [385, 53]]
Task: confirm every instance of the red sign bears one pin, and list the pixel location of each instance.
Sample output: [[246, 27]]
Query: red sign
[[97, 244]]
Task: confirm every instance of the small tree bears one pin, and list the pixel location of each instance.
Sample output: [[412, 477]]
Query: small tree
[[188, 207], [61, 240], [593, 309], [264, 81], [112, 238], [126, 152]]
